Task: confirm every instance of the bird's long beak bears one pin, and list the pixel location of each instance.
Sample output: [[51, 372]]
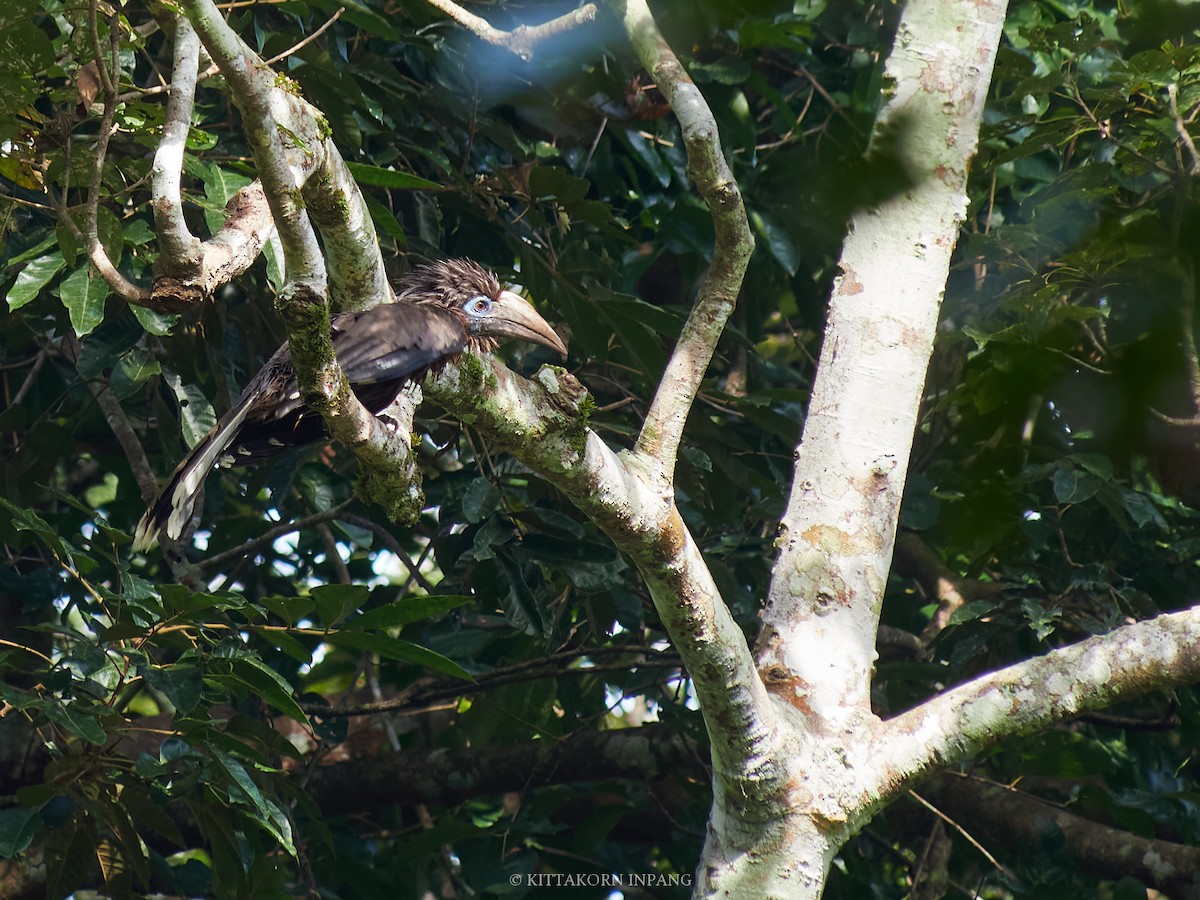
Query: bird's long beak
[[512, 316]]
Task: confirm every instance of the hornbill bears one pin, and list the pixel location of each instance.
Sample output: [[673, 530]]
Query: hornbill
[[440, 310]]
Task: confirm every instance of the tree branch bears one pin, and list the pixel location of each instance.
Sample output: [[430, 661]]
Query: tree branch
[[189, 270], [1153, 655], [88, 235], [176, 240], [241, 551], [915, 559], [543, 423], [522, 39], [253, 87], [389, 469], [135, 454], [447, 777], [663, 428], [1015, 819], [393, 545], [424, 694]]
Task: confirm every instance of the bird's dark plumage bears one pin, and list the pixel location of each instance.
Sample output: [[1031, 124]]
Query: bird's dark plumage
[[441, 309]]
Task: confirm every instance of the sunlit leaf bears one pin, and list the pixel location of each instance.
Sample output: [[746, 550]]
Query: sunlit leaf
[[31, 279], [83, 293], [196, 414]]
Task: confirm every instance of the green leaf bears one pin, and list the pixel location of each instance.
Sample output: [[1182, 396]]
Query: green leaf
[[132, 849], [364, 17], [556, 183], [320, 487], [786, 31], [28, 520], [112, 236], [155, 323], [138, 232], [285, 642], [149, 814], [495, 532], [290, 609], [196, 416], [647, 154], [17, 828], [180, 683], [1096, 463], [1071, 486], [131, 372], [67, 244], [120, 631], [779, 239], [409, 609], [480, 500], [224, 848], [590, 565], [1129, 888], [665, 321], [70, 858], [268, 684], [270, 816], [83, 293], [336, 601], [973, 610], [71, 717], [219, 186], [1040, 619], [390, 178], [520, 606], [37, 250], [723, 71], [33, 278], [1142, 510], [405, 651], [385, 221]]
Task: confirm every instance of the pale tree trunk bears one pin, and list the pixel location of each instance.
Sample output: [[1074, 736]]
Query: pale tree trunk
[[816, 650]]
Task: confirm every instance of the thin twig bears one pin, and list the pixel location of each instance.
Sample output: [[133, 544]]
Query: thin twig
[[89, 234], [308, 40], [30, 378], [331, 552], [1175, 420], [393, 546], [271, 535], [444, 691], [1181, 128], [949, 821], [522, 39]]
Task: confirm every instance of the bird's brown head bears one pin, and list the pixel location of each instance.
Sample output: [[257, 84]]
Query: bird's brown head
[[488, 312]]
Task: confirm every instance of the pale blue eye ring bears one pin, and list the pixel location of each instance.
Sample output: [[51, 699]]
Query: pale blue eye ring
[[479, 305]]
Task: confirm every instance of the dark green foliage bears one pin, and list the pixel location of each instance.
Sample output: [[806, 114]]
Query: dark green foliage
[[165, 736]]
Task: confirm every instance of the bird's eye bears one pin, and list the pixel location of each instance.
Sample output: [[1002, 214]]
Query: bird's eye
[[479, 305]]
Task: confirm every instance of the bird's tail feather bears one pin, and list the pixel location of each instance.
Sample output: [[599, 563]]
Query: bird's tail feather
[[176, 503]]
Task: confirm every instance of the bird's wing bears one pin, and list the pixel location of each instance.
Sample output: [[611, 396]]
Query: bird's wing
[[395, 340], [379, 349], [383, 345]]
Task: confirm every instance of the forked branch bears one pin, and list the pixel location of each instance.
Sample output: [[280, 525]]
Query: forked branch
[[709, 171]]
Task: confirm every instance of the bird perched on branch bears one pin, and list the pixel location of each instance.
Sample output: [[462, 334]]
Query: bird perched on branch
[[441, 310]]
